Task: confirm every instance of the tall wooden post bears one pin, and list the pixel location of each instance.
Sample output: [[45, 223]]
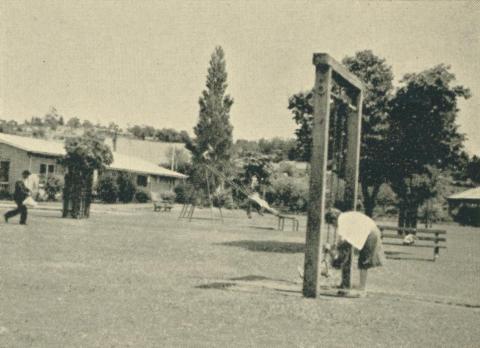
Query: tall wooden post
[[354, 125], [318, 179], [327, 71]]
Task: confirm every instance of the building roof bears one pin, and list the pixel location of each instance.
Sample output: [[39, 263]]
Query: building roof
[[138, 165], [152, 151], [468, 195], [33, 145], [120, 162]]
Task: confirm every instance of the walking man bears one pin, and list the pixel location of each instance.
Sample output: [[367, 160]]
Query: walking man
[[20, 194]]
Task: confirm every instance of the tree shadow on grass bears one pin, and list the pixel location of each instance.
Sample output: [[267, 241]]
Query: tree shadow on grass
[[401, 255], [269, 246], [255, 283]]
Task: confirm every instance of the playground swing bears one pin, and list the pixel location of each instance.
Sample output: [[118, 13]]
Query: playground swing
[[335, 174], [334, 166], [189, 208]]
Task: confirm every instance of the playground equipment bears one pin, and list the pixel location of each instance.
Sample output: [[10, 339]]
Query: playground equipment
[[190, 204], [336, 148], [188, 209]]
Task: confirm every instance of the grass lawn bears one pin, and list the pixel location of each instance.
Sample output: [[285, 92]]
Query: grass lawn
[[145, 279]]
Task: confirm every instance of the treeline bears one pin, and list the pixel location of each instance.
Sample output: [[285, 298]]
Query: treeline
[[277, 148], [53, 123]]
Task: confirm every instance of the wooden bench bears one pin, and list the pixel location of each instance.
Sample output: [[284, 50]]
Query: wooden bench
[[281, 222], [424, 238], [162, 205]]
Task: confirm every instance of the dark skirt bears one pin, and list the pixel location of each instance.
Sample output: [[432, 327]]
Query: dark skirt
[[370, 253]]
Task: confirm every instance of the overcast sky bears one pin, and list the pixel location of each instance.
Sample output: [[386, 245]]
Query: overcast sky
[[145, 62]]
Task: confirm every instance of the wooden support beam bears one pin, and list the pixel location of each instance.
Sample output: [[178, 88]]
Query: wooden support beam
[[318, 175], [338, 69], [354, 126]]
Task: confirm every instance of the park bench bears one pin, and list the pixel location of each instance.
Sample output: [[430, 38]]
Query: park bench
[[424, 238], [162, 205], [159, 203]]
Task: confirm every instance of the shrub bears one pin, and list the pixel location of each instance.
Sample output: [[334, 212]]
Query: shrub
[[289, 193], [168, 196], [184, 193], [53, 187], [5, 195], [107, 189], [433, 212], [126, 188], [223, 199], [386, 197], [142, 196]]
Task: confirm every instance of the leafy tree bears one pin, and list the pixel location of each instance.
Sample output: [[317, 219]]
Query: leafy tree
[[172, 136], [35, 122], [473, 169], [74, 123], [301, 105], [377, 77], [213, 142], [142, 132], [423, 136], [9, 127], [83, 156], [279, 149], [126, 188], [459, 170], [242, 146], [87, 125], [386, 197], [53, 119], [256, 170], [113, 128], [180, 160]]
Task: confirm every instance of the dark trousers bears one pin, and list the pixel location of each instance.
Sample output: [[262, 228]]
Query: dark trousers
[[21, 209]]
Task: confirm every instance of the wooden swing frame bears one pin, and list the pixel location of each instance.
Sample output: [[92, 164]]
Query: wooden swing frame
[[332, 82]]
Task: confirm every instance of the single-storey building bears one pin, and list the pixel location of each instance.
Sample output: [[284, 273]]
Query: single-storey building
[[40, 157]]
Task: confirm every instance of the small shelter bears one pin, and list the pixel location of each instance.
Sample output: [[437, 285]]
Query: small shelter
[[465, 206]]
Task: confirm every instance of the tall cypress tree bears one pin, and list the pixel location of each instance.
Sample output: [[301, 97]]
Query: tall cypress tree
[[213, 143]]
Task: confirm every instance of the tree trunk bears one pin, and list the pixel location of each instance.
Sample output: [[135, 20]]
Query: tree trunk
[[369, 199], [407, 215], [412, 215], [77, 194]]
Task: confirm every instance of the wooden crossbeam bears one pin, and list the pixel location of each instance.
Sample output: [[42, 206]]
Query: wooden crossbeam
[[338, 69]]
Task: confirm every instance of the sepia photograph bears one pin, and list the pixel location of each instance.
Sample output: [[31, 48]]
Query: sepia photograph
[[249, 173]]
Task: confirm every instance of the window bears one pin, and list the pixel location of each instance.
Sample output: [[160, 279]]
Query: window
[[142, 180], [4, 171], [47, 169]]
